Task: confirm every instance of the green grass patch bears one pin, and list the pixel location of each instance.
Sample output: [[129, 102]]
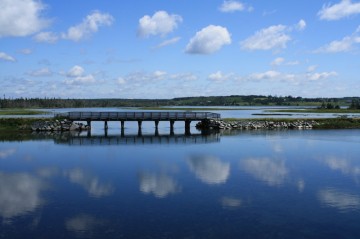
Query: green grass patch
[[22, 112]]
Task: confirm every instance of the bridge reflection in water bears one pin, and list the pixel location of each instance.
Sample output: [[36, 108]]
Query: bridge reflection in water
[[85, 140]]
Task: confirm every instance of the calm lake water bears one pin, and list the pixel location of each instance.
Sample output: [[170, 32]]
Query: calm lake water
[[239, 184]]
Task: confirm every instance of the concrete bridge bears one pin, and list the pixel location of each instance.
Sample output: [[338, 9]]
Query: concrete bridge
[[172, 117]]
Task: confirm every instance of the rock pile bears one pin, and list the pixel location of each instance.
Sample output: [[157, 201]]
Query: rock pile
[[63, 125], [253, 124]]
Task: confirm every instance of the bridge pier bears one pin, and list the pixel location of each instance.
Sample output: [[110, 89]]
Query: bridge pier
[[88, 122], [106, 125], [139, 124], [172, 122], [156, 124], [187, 127], [122, 124]]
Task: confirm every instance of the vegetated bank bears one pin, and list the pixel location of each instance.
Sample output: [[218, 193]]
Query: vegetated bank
[[51, 124]]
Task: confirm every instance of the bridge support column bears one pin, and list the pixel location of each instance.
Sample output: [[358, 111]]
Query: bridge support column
[[172, 122], [88, 122], [139, 123], [187, 127], [122, 124], [106, 125], [156, 132], [156, 124]]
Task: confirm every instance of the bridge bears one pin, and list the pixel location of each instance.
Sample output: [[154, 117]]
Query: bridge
[[172, 117]]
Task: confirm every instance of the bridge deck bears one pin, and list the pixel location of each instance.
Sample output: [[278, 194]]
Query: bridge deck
[[142, 116]]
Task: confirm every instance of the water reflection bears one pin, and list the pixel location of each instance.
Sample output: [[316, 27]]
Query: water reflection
[[89, 182], [20, 193], [4, 153], [84, 225], [209, 169], [231, 202], [343, 165], [338, 199], [161, 185], [271, 171]]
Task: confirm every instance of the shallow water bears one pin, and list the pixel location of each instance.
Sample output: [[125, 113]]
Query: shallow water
[[243, 184]]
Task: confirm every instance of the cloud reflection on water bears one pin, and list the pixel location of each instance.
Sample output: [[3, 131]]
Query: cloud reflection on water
[[4, 153], [209, 169], [161, 185], [271, 171], [83, 225], [338, 199], [19, 194], [89, 182]]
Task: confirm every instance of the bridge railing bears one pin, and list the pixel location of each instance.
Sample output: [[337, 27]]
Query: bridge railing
[[140, 115]]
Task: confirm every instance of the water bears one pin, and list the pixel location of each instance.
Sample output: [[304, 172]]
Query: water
[[243, 184]]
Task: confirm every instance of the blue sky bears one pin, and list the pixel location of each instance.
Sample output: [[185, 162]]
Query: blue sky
[[179, 48]]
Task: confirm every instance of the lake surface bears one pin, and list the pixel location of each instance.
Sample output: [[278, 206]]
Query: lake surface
[[238, 184]]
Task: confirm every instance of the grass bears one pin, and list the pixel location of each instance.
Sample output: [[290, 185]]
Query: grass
[[21, 112]]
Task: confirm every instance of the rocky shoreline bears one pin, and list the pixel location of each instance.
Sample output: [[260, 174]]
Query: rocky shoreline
[[254, 124], [57, 125]]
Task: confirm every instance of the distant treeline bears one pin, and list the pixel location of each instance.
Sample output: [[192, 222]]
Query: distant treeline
[[233, 100]]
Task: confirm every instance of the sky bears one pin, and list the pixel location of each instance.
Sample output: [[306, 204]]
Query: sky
[[179, 48]]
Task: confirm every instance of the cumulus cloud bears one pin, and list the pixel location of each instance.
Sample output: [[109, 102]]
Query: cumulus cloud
[[209, 40], [273, 37], [268, 75], [89, 25], [19, 194], [90, 183], [41, 72], [233, 6], [209, 170], [161, 23], [344, 45], [273, 172], [161, 185], [301, 25], [341, 200], [6, 57], [21, 18], [343, 9], [76, 76], [219, 76], [46, 37]]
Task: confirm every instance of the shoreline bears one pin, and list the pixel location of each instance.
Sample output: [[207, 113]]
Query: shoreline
[[25, 124]]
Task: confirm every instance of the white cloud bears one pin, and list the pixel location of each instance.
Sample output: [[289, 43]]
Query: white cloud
[[233, 6], [209, 170], [89, 25], [21, 18], [277, 61], [273, 172], [312, 68], [219, 76], [26, 51], [76, 76], [89, 182], [41, 72], [301, 25], [321, 75], [160, 185], [46, 37], [161, 23], [6, 57], [168, 42], [344, 45], [281, 61], [268, 75], [340, 10], [209, 40], [268, 38], [76, 71]]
